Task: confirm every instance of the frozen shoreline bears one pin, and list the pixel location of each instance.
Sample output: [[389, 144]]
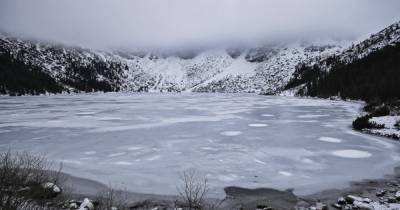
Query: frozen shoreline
[[250, 198]]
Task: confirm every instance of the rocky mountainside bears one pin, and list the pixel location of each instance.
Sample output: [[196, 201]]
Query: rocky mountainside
[[264, 69], [367, 70], [310, 70]]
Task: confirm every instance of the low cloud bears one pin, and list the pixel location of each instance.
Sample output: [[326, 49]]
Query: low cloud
[[178, 23]]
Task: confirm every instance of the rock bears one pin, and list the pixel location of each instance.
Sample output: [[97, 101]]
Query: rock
[[263, 207], [51, 190], [391, 199], [363, 206], [351, 198], [51, 186], [337, 206], [367, 200], [321, 206], [341, 201], [380, 193], [392, 184], [73, 206], [24, 189], [397, 195], [86, 205]]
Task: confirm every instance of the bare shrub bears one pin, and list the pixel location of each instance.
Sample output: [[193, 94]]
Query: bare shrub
[[26, 181], [112, 198], [193, 189]]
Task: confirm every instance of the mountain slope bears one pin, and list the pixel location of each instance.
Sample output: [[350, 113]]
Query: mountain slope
[[264, 69], [367, 70]]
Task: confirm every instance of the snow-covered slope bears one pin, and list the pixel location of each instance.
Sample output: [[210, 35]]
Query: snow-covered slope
[[386, 37], [268, 75], [264, 69]]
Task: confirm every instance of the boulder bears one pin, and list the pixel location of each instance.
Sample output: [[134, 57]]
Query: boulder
[[337, 206], [86, 205], [397, 195], [341, 201], [350, 199], [391, 199], [363, 206], [367, 200], [380, 193]]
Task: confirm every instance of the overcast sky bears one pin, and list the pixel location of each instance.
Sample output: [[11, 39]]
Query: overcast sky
[[175, 23]]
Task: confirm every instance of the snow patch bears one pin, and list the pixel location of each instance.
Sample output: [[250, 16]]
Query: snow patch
[[116, 154], [267, 115], [257, 125], [285, 173], [308, 116], [330, 139], [228, 177], [231, 133], [351, 153], [123, 163]]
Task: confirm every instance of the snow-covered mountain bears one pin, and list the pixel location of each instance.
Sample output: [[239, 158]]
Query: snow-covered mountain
[[264, 69], [364, 70], [389, 36]]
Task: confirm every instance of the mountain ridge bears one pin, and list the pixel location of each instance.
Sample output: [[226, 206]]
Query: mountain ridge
[[376, 55], [262, 69]]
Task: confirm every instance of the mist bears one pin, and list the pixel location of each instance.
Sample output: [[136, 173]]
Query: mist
[[182, 23]]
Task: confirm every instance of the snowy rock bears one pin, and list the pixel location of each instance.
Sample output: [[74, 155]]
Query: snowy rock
[[367, 200], [380, 193], [350, 199], [337, 206], [52, 187], [363, 206], [321, 206], [397, 195], [341, 201], [86, 205], [392, 199]]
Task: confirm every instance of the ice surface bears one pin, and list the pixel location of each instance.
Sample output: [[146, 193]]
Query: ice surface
[[144, 141]]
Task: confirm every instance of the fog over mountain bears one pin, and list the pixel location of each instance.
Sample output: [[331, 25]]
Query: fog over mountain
[[186, 23]]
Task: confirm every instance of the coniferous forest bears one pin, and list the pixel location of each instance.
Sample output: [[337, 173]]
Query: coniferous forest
[[374, 77], [18, 78]]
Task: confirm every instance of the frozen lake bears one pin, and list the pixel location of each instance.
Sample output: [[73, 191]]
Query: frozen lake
[[144, 141]]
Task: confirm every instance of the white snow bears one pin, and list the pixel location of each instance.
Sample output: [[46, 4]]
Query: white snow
[[123, 163], [330, 139], [285, 173], [52, 186], [231, 133], [117, 154], [350, 153], [267, 115], [389, 125], [211, 70], [257, 125], [86, 205], [309, 116]]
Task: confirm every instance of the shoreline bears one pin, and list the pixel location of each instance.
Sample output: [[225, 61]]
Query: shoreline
[[237, 197]]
